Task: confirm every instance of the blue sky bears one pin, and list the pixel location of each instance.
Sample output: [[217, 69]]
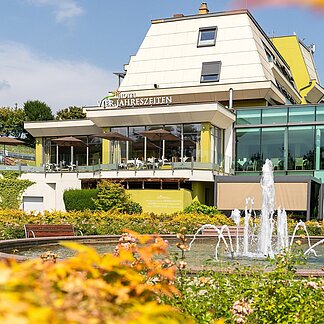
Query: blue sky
[[64, 52]]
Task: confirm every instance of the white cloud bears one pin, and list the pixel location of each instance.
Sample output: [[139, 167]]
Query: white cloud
[[63, 9], [59, 83]]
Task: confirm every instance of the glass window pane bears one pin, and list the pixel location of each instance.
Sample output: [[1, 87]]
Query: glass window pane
[[301, 148], [118, 149], [192, 142], [248, 116], [273, 146], [173, 143], [206, 35], [210, 78], [136, 147], [301, 114], [274, 116], [320, 149], [248, 154], [320, 113]]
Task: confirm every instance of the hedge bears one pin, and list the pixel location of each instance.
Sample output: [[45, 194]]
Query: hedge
[[80, 199], [106, 223], [109, 223]]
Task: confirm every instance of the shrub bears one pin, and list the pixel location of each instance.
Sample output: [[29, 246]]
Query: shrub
[[11, 189], [112, 195], [197, 207], [80, 199]]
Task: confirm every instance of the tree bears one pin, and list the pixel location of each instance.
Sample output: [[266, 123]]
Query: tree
[[37, 110], [12, 121], [70, 113]]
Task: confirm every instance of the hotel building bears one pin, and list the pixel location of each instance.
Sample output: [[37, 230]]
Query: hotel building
[[205, 100]]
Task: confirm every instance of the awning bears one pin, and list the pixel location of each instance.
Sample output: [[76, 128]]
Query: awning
[[215, 113]]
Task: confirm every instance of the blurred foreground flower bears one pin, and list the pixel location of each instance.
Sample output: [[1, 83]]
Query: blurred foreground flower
[[91, 288], [313, 4], [241, 309]]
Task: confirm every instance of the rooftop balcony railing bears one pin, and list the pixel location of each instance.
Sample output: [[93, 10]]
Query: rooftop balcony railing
[[134, 166]]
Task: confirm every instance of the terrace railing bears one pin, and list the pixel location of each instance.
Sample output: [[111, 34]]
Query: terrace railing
[[171, 166]]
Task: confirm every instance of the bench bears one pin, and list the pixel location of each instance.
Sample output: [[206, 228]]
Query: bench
[[232, 230], [33, 231]]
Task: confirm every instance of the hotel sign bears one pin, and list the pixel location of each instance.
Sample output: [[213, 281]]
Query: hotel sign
[[128, 99]]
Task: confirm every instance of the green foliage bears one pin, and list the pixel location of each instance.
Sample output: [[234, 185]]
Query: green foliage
[[10, 175], [37, 110], [112, 195], [256, 296], [71, 113], [313, 227], [197, 207], [80, 199], [11, 189], [12, 121]]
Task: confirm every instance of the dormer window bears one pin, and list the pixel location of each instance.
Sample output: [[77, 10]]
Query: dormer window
[[210, 71], [207, 36]]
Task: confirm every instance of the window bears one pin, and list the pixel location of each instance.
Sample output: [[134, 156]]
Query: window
[[248, 116], [207, 36], [210, 71]]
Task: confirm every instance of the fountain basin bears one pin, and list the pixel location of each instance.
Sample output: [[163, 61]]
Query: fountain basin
[[201, 255]]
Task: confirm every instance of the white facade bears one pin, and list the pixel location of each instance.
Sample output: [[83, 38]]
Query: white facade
[[49, 187], [170, 58]]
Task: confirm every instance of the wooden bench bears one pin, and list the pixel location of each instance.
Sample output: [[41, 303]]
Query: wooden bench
[[33, 231], [232, 230]]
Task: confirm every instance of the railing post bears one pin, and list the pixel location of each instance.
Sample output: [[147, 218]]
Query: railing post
[[61, 167], [77, 167], [192, 165]]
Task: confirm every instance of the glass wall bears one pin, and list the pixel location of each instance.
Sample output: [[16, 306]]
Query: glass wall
[[295, 144], [89, 153], [163, 145]]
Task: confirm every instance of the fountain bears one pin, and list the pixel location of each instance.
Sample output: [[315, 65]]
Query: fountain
[[267, 238]]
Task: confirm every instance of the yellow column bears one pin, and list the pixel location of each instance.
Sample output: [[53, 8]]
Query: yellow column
[[105, 149], [39, 151], [198, 191], [205, 142]]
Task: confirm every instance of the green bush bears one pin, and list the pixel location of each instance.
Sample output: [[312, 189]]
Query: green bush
[[80, 199], [197, 207], [249, 295], [112, 195], [11, 189]]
